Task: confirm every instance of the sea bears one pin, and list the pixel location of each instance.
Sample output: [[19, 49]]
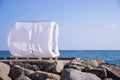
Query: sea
[[109, 56]]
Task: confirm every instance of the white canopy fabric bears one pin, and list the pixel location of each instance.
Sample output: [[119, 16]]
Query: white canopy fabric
[[34, 39]]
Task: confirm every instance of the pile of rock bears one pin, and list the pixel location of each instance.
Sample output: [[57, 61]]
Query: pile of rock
[[76, 69]]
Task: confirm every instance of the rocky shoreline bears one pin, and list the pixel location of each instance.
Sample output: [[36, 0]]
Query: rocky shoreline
[[75, 69]]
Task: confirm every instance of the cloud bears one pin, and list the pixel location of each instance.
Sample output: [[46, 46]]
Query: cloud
[[112, 26], [103, 28], [92, 30]]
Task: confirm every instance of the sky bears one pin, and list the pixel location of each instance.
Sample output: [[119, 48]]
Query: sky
[[83, 24]]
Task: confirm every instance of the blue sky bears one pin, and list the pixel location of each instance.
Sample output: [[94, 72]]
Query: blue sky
[[83, 24]]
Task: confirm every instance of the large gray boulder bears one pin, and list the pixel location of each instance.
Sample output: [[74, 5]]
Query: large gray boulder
[[72, 74], [113, 71], [98, 72]]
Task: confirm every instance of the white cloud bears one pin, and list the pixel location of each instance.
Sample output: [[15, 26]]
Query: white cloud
[[112, 26], [103, 28], [92, 30]]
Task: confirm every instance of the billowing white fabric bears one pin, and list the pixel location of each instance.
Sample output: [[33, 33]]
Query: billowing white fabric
[[34, 39]]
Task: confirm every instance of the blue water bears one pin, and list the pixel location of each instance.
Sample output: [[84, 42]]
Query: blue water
[[110, 56]]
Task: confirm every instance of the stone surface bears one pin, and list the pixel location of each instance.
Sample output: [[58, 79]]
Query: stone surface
[[113, 71], [76, 69], [100, 61], [49, 75], [50, 66], [72, 74], [34, 76], [107, 79], [41, 75], [98, 72], [15, 72], [49, 79], [31, 67], [77, 59], [4, 77], [93, 62], [4, 71], [58, 67], [4, 68], [28, 72], [55, 67], [43, 65], [73, 65], [35, 67], [22, 77], [89, 64], [19, 64]]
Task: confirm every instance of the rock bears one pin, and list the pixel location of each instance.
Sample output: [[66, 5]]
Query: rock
[[100, 61], [4, 68], [4, 77], [49, 75], [22, 77], [32, 67], [28, 72], [77, 59], [19, 64], [15, 72], [58, 67], [55, 67], [93, 62], [27, 66], [74, 66], [41, 75], [34, 76], [76, 63], [35, 67], [98, 71], [4, 71], [44, 64], [107, 79], [80, 65], [49, 79], [72, 74], [89, 64], [113, 71], [50, 66]]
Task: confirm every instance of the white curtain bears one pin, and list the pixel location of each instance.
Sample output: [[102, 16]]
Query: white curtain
[[34, 39]]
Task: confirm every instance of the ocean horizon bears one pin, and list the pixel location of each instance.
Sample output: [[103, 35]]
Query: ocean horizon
[[109, 56]]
